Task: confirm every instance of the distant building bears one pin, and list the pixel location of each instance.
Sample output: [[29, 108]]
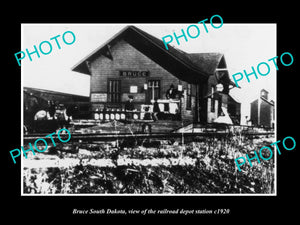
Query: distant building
[[263, 111]]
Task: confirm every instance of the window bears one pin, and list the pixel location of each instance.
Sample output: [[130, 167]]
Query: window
[[114, 91], [153, 90], [189, 96]]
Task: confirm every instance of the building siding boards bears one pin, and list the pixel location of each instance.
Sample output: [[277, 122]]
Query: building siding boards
[[135, 50], [254, 112], [262, 112], [126, 57], [265, 114]]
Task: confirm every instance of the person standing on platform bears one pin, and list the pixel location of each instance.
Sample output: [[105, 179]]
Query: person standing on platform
[[147, 117], [171, 92], [61, 116], [129, 107], [51, 109]]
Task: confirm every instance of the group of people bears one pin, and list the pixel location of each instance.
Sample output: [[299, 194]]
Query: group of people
[[52, 112], [56, 111]]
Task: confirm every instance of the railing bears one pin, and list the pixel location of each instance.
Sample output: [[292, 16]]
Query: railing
[[166, 106], [111, 137]]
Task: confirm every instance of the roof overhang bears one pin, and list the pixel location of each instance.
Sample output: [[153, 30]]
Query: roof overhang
[[173, 60]]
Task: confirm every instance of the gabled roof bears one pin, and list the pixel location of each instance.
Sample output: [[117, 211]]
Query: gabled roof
[[206, 62], [233, 98], [272, 103], [39, 93], [188, 67], [269, 102]]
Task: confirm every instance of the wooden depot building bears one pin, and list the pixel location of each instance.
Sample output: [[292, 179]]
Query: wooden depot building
[[135, 63]]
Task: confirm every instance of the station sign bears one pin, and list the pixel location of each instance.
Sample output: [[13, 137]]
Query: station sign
[[130, 73]]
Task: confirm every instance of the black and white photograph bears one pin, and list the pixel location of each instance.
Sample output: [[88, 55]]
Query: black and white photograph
[[112, 109]]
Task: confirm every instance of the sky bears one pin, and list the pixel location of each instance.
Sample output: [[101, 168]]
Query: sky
[[243, 45]]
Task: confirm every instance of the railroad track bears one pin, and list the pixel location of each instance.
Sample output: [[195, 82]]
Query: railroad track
[[111, 137]]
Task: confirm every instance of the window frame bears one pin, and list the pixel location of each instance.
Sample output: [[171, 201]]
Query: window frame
[[114, 90], [188, 105], [156, 88], [212, 102]]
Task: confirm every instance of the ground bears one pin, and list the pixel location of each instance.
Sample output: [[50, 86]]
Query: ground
[[201, 166]]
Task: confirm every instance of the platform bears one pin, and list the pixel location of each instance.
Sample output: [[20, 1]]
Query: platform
[[131, 126]]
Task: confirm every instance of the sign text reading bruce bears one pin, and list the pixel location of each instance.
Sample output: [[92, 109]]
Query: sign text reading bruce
[[127, 73]]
